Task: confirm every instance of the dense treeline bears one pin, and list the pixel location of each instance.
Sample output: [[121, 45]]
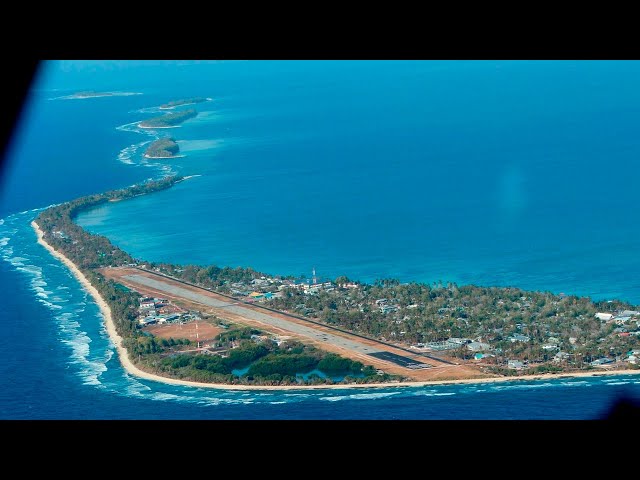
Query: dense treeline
[[212, 276], [170, 119], [426, 313], [184, 101], [268, 363], [163, 147]]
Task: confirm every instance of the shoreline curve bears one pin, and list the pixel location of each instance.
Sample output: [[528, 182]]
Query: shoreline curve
[[130, 368]]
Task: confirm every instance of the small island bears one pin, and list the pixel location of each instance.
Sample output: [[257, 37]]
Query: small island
[[163, 148], [169, 120], [93, 94], [184, 101]]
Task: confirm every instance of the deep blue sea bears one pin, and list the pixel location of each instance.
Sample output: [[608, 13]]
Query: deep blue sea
[[493, 173]]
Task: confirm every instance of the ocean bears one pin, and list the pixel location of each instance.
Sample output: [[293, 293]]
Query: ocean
[[493, 173]]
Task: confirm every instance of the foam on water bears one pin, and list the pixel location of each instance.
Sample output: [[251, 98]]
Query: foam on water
[[67, 305], [134, 153], [127, 154], [361, 396], [113, 94], [93, 359]]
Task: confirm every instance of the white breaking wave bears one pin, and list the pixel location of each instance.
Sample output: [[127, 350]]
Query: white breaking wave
[[148, 110], [127, 154], [111, 94], [361, 396], [58, 298], [133, 127]]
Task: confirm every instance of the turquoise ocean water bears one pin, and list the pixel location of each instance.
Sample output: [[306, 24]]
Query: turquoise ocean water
[[494, 173]]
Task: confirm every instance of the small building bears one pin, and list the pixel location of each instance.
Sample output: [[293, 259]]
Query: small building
[[604, 316], [632, 359], [459, 341], [515, 364], [388, 308], [601, 361], [560, 356], [630, 313], [621, 319], [549, 346], [478, 346], [148, 321], [519, 338]]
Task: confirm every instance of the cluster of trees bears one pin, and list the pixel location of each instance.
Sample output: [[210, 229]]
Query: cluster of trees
[[268, 363], [148, 344], [184, 101], [170, 119], [335, 363], [435, 312], [212, 276], [163, 147]]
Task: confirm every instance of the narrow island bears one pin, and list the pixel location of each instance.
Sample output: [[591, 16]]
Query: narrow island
[[169, 120], [93, 94], [185, 101], [238, 328], [162, 148]]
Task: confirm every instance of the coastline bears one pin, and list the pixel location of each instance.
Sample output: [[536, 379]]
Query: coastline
[[174, 107], [163, 158], [184, 104], [139, 125], [97, 95], [135, 371]]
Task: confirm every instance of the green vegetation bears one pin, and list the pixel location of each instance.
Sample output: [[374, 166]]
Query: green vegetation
[[162, 148], [424, 313], [90, 252], [336, 363], [547, 332], [213, 277], [91, 93], [269, 364], [185, 101], [169, 120], [274, 365]]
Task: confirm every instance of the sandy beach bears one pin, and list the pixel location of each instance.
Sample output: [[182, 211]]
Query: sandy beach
[[133, 370]]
